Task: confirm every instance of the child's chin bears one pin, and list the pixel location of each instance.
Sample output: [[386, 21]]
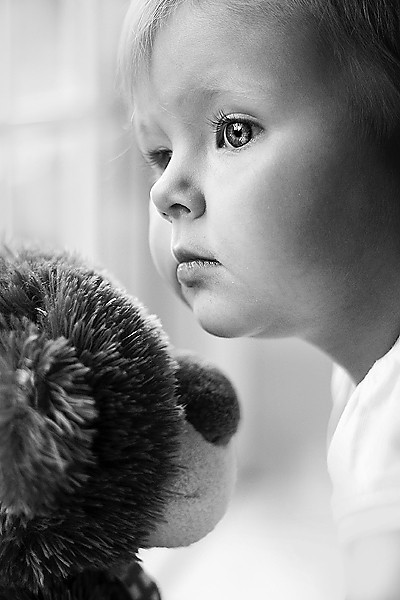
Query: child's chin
[[218, 331], [223, 316], [224, 321], [220, 323]]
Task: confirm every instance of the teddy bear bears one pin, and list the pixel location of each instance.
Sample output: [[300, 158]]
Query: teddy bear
[[110, 439]]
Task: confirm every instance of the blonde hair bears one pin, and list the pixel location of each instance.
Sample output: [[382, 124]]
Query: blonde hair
[[361, 37], [142, 21]]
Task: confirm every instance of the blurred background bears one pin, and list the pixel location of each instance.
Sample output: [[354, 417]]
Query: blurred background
[[70, 177]]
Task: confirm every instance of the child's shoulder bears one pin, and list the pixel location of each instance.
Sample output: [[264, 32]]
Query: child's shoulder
[[364, 449]]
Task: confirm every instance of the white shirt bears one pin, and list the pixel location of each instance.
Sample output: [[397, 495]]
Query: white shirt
[[364, 449]]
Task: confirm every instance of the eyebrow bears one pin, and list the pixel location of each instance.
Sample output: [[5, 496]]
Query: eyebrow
[[207, 93], [248, 91]]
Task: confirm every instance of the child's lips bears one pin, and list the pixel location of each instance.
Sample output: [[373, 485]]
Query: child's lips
[[186, 255], [189, 272], [193, 265]]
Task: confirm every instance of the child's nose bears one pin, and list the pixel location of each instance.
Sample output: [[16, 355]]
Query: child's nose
[[176, 196]]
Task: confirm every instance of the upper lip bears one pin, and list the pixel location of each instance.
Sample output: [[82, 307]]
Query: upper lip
[[183, 255]]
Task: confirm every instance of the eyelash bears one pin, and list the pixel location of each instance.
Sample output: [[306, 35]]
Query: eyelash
[[219, 121], [158, 158]]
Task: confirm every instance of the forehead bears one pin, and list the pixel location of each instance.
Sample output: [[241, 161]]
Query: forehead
[[206, 51]]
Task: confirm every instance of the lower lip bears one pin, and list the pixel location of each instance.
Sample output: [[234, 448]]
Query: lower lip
[[188, 272]]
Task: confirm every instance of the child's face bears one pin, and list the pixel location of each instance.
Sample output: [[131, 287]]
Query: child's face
[[256, 168]]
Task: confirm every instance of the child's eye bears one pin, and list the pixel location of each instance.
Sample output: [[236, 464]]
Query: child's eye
[[234, 131], [159, 158]]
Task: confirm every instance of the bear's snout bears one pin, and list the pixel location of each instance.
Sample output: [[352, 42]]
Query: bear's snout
[[211, 403]]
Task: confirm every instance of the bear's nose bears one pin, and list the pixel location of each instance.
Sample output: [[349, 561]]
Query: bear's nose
[[209, 398]]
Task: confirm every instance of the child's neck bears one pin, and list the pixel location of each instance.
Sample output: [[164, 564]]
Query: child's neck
[[365, 331], [365, 349]]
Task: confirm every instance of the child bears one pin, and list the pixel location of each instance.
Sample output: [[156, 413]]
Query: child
[[272, 128]]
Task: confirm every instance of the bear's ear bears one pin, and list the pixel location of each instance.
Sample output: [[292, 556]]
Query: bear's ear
[[46, 417]]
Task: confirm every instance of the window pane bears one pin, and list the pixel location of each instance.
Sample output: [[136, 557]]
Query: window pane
[[52, 52]]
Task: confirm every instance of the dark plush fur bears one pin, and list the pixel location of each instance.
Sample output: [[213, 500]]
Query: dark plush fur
[[92, 407], [87, 383]]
